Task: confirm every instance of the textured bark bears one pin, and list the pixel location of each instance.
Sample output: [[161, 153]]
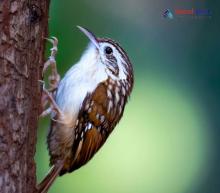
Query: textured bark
[[23, 26]]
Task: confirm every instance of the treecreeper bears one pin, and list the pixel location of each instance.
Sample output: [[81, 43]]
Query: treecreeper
[[85, 105]]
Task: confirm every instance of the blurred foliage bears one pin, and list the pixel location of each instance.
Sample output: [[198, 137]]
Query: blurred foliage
[[167, 140]]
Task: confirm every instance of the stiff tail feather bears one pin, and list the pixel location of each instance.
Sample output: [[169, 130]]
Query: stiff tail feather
[[44, 186]]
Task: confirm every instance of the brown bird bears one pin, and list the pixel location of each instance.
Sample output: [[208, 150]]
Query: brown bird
[[89, 102]]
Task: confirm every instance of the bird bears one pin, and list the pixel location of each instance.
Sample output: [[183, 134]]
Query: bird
[[86, 105]]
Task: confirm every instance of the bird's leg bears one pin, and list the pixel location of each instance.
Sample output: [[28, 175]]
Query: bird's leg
[[47, 97], [54, 78], [44, 110]]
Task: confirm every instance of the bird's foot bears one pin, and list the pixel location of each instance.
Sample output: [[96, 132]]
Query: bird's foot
[[54, 78], [48, 100]]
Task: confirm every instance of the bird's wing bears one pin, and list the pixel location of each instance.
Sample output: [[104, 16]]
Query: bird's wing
[[97, 118]]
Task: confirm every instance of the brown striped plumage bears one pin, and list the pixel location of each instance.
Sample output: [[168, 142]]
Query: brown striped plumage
[[99, 114]]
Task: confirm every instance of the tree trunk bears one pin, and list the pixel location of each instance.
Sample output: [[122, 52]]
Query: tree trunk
[[23, 27]]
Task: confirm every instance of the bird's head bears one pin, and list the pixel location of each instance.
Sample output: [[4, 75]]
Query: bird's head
[[111, 55]]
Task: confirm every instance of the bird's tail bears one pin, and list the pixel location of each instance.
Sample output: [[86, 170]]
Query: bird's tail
[[44, 186]]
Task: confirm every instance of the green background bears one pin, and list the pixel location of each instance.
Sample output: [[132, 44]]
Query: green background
[[168, 138]]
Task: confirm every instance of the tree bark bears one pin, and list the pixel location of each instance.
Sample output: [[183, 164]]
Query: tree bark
[[23, 27]]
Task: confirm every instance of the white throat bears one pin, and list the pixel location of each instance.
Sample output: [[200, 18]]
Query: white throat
[[81, 79]]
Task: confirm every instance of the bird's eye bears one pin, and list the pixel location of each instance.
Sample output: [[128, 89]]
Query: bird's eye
[[108, 50]]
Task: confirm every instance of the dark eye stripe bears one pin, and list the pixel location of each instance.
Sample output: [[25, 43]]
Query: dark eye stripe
[[112, 64], [112, 59]]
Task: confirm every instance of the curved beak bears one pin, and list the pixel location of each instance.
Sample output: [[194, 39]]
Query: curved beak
[[90, 35]]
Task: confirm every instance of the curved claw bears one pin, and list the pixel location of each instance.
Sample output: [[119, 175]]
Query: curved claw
[[52, 40], [54, 78], [42, 82]]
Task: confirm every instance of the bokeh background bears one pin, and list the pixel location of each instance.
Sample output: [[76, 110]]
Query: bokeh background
[[168, 140]]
